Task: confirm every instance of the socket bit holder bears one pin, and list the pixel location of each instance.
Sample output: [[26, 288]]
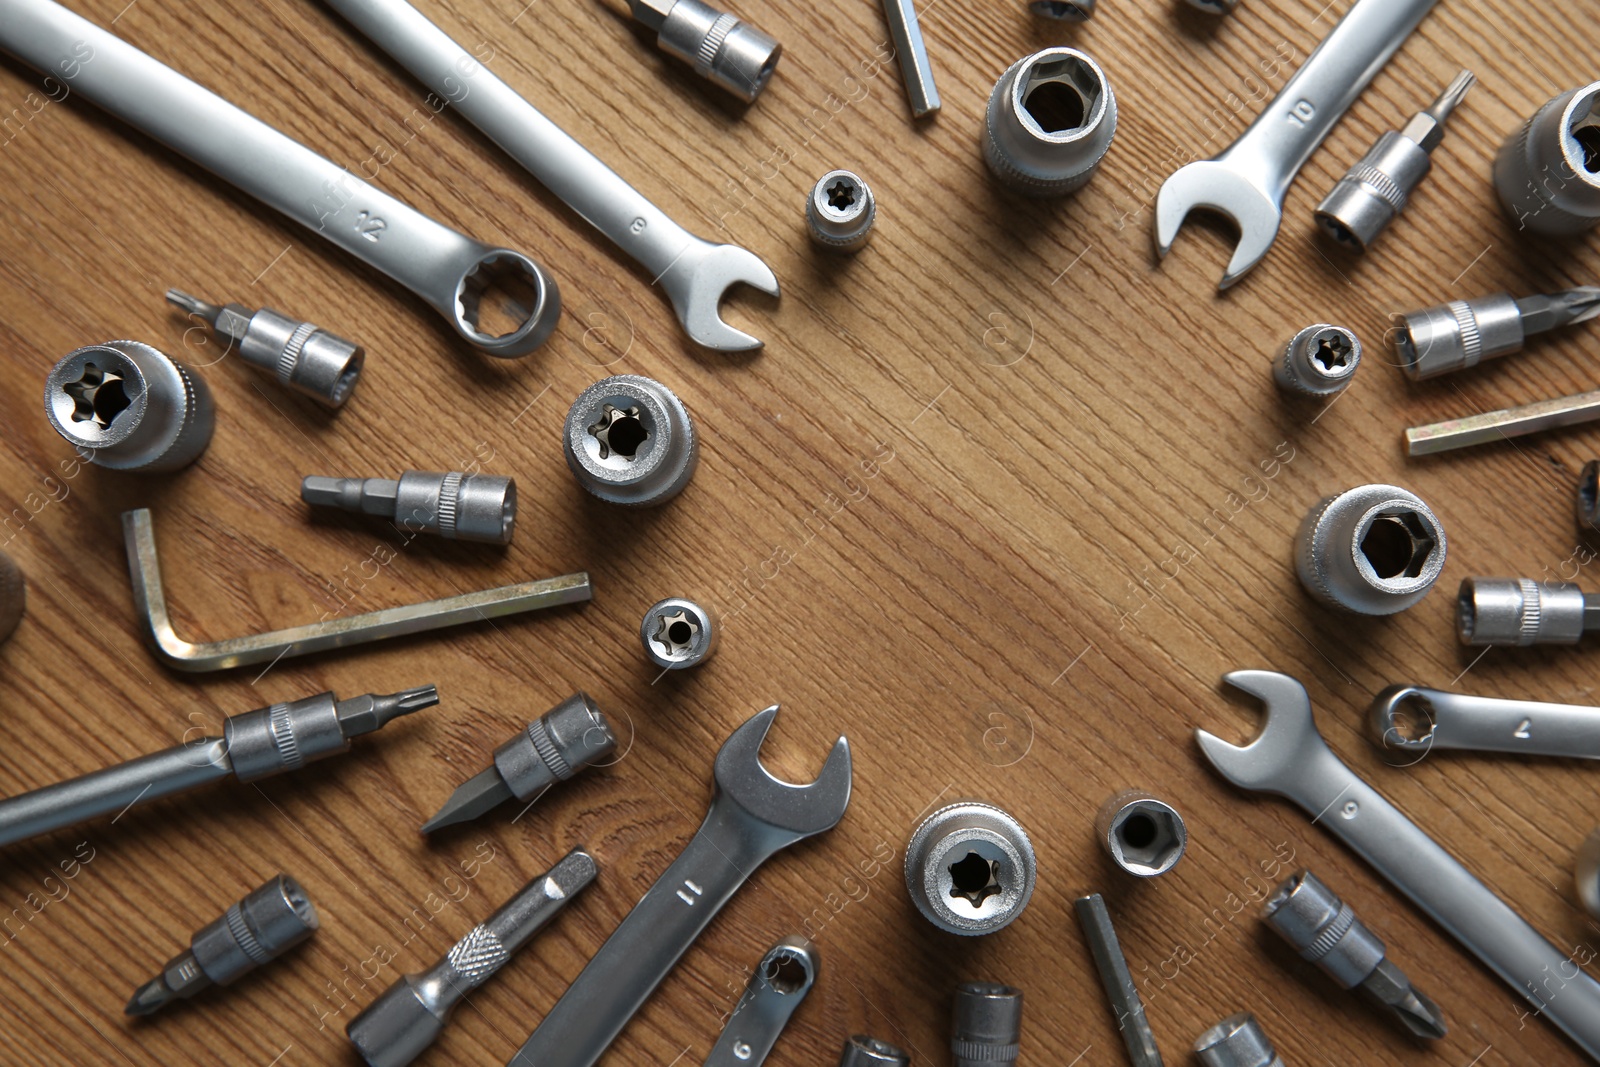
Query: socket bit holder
[[970, 868], [1237, 1041], [1371, 550], [125, 406], [629, 441], [678, 634], [1548, 172], [863, 1051], [1587, 873], [1463, 333], [13, 596], [255, 931], [985, 1024], [1143, 835], [303, 357], [840, 212], [1518, 612], [463, 507], [722, 48], [1318, 361], [1050, 121]]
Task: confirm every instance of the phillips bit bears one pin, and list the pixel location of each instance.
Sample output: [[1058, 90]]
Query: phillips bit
[[1325, 931], [1463, 333], [560, 743], [466, 507]]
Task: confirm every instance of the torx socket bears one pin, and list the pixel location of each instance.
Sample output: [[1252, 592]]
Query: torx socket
[[722, 48], [13, 596], [1520, 612], [1142, 834], [1050, 120], [1548, 172], [303, 357], [465, 507], [863, 1051], [125, 406], [1237, 1041], [840, 212], [985, 1024], [629, 440], [1372, 550], [1318, 361], [970, 868], [678, 634]]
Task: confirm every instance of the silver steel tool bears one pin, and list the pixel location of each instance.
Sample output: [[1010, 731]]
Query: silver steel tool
[[553, 748], [1318, 361], [1548, 172], [303, 357], [410, 1015], [695, 273], [1247, 182], [985, 1024], [752, 816], [1412, 720], [125, 406], [723, 49], [13, 596], [1326, 932], [1587, 873], [448, 270], [1237, 1041], [678, 634], [338, 631], [1463, 333], [1376, 189], [915, 70], [254, 745], [970, 868], [628, 440], [1121, 990], [840, 212], [1504, 424], [1143, 834], [780, 982], [863, 1051], [1373, 550], [254, 931], [1521, 612], [466, 507], [1050, 121], [1289, 758]]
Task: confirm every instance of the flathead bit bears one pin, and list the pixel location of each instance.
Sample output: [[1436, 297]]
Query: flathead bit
[[1389, 986], [476, 796], [369, 712]]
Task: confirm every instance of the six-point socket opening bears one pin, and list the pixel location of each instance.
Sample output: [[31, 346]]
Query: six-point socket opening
[[1060, 95], [1397, 544]]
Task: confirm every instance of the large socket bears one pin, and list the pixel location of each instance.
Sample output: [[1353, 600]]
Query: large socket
[[1548, 172], [127, 406], [629, 440], [1050, 121], [1372, 550], [970, 868]]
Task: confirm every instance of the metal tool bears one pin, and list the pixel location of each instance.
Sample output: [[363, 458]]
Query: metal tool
[[13, 596], [1521, 612], [752, 816], [1324, 930], [1237, 1041], [1548, 172], [1050, 121], [303, 357], [1504, 424], [694, 272], [1587, 497], [985, 1024], [553, 748], [723, 49], [970, 868], [863, 1051], [1290, 758], [410, 1015], [1587, 873], [150, 603], [780, 982], [1463, 333], [678, 634], [628, 439], [1121, 990], [1063, 10], [466, 507], [1142, 834], [254, 745], [1247, 182], [1373, 550], [1414, 720], [125, 406], [1376, 189], [840, 212], [448, 270], [254, 931], [1318, 361], [915, 70]]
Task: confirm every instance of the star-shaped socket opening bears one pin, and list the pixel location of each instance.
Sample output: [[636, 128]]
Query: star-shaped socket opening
[[1332, 352], [841, 193], [675, 634], [975, 879], [620, 432], [98, 396]]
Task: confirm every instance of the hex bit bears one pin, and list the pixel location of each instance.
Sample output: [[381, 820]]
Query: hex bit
[[1120, 987]]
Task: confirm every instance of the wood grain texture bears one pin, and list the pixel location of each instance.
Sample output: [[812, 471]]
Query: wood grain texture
[[1001, 499]]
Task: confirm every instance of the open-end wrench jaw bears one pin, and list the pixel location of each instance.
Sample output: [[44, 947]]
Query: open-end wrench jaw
[[796, 811], [1215, 185], [696, 282], [1274, 762]]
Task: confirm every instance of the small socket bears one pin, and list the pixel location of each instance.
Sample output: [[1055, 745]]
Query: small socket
[[678, 634], [840, 212], [465, 507], [985, 1024], [1588, 873], [1051, 118], [1063, 10], [1548, 172], [629, 440], [1517, 612], [970, 868], [864, 1051], [1237, 1041], [722, 48], [1372, 550], [125, 406], [1318, 361], [1143, 835]]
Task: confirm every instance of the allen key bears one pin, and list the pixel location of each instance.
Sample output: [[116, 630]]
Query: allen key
[[149, 600], [1121, 990]]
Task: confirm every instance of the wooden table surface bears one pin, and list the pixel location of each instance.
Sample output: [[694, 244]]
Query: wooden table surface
[[1001, 499]]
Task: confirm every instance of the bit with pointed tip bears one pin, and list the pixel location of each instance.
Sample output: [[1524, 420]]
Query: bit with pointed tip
[[566, 739], [1463, 333]]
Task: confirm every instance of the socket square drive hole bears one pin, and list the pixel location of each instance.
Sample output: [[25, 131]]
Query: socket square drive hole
[[620, 431], [1060, 94], [1397, 545], [1148, 838], [974, 879], [98, 396]]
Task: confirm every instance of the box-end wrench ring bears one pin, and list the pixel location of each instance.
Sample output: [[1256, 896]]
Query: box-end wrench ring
[[1483, 724], [1290, 759], [445, 268], [780, 982]]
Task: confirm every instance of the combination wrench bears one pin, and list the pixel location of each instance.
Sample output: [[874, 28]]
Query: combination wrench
[[1290, 759], [752, 816], [780, 982], [1247, 182], [448, 270], [694, 272], [1484, 724]]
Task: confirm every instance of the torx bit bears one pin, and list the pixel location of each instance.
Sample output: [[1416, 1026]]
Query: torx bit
[[1463, 333], [256, 930], [254, 745], [560, 743], [1325, 931], [1121, 990], [303, 357], [409, 1016], [466, 507]]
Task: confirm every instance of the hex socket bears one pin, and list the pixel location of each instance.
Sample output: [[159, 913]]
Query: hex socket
[[1518, 612], [629, 440], [1371, 550], [126, 406], [1142, 834], [263, 926], [1050, 120], [985, 1024], [1548, 172], [863, 1051], [970, 868], [1237, 1041], [1458, 335]]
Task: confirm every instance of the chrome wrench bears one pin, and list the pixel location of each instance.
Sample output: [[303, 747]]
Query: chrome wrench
[[780, 982], [1290, 758], [435, 262], [752, 816], [1247, 182], [1485, 724], [694, 272]]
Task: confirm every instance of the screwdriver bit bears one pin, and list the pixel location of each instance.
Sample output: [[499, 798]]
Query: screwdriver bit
[[1325, 931], [560, 743], [254, 745], [303, 357], [256, 930], [1463, 333], [465, 507]]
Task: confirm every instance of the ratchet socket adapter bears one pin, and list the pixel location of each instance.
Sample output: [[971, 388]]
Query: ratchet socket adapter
[[1372, 550], [1051, 118], [1548, 172], [722, 48], [126, 406]]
